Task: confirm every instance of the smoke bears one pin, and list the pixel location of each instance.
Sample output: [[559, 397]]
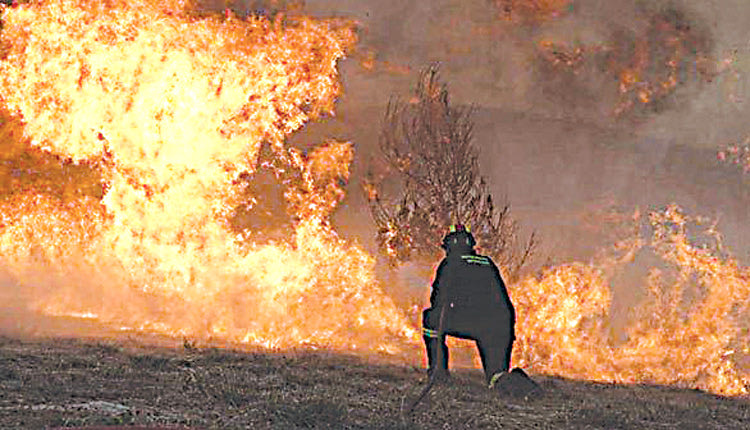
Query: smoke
[[552, 139]]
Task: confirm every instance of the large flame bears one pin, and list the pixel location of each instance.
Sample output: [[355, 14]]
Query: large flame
[[172, 109], [691, 330]]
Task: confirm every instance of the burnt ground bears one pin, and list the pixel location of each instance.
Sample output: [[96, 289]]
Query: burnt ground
[[65, 383]]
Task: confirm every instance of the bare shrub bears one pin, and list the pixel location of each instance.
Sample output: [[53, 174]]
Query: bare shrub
[[428, 178]]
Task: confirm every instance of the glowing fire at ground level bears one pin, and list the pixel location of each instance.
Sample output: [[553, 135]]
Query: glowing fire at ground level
[[171, 110]]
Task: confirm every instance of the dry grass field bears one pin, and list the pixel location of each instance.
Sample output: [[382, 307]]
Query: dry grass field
[[49, 383]]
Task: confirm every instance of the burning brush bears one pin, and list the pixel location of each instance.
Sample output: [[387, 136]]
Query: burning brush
[[169, 109]]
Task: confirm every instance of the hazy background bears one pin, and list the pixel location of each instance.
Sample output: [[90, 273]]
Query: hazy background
[[555, 151]]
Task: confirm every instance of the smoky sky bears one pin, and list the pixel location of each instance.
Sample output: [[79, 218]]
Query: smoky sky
[[554, 149], [549, 142]]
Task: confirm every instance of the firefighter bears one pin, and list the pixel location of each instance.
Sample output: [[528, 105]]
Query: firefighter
[[469, 296]]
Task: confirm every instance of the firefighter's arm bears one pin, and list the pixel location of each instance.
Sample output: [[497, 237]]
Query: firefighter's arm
[[503, 291], [435, 295]]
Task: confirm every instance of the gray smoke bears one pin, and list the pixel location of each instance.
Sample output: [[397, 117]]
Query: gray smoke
[[554, 149]]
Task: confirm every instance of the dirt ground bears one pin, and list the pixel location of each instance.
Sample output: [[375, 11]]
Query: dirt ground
[[48, 383]]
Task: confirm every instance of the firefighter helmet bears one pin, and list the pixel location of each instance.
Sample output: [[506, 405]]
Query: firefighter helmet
[[459, 236]]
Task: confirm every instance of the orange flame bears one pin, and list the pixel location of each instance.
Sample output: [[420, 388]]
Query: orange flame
[[173, 109], [691, 330]]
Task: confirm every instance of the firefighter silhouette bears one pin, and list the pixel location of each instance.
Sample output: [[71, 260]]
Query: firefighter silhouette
[[469, 301]]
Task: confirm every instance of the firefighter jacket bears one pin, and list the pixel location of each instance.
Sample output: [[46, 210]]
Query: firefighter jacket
[[475, 298]]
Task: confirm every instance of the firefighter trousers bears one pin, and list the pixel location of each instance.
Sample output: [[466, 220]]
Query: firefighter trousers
[[494, 342]]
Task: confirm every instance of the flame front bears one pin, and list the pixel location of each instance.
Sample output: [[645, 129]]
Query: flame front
[[171, 109], [691, 330]]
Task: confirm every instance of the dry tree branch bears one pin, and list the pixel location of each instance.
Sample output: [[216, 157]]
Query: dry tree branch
[[433, 181]]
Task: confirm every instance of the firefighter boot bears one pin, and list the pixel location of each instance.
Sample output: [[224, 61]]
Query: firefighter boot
[[437, 356]]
